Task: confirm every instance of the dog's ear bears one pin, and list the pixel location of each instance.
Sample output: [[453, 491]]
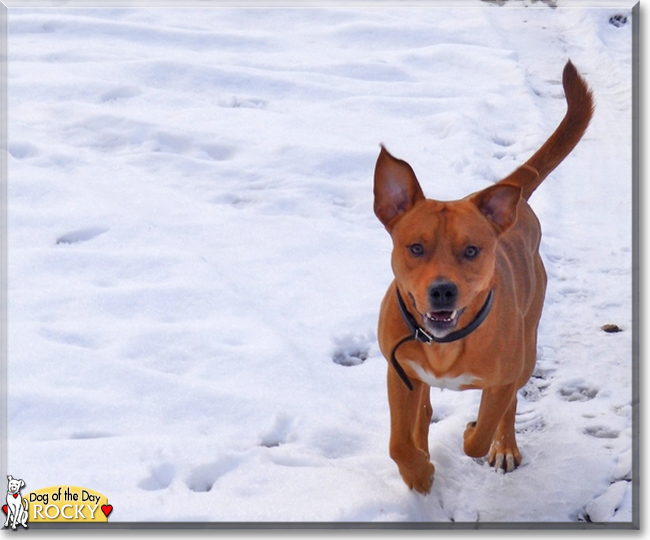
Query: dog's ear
[[22, 483], [499, 203], [10, 478], [396, 188]]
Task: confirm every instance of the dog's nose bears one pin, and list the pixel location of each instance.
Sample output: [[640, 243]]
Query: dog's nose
[[442, 295]]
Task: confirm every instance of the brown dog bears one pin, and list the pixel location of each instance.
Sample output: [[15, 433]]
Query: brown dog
[[465, 304]]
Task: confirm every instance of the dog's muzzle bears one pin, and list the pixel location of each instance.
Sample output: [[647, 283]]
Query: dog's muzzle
[[443, 317]]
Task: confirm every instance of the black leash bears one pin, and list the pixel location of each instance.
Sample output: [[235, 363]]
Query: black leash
[[421, 335]]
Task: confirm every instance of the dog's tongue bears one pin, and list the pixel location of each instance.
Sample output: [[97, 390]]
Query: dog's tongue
[[441, 316]]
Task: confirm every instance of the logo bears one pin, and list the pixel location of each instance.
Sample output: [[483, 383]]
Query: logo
[[16, 507], [56, 504]]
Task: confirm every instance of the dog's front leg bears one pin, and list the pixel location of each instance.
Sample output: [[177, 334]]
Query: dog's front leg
[[22, 519], [410, 414], [495, 402], [504, 453]]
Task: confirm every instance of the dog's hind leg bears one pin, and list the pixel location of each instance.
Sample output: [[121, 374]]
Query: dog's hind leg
[[24, 513], [496, 403]]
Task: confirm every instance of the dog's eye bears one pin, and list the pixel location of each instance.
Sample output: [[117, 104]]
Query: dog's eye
[[417, 250], [471, 252]]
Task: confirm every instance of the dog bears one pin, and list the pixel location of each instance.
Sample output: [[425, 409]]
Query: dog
[[464, 307], [15, 506]]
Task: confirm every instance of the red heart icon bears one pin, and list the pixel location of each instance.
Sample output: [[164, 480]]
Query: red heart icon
[[4, 509], [107, 509], [15, 495]]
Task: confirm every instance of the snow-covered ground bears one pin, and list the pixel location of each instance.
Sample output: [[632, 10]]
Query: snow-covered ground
[[195, 270]]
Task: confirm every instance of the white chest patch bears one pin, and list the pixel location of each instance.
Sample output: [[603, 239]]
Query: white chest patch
[[443, 382]]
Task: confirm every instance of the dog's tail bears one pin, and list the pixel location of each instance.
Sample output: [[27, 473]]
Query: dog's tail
[[580, 109]]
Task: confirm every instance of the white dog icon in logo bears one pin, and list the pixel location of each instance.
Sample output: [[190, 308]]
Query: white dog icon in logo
[[15, 507]]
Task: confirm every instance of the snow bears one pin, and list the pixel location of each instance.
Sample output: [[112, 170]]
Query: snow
[[195, 270]]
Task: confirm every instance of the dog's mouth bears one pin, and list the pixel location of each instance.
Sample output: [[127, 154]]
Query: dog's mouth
[[440, 323]]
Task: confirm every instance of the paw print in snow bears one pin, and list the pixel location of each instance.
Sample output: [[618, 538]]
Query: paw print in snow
[[602, 432], [578, 390], [351, 350], [618, 20]]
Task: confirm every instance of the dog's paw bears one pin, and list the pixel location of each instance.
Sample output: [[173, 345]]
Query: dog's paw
[[473, 446], [504, 455], [502, 452], [415, 468], [419, 477], [504, 462]]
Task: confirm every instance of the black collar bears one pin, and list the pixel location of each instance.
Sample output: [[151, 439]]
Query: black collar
[[421, 335]]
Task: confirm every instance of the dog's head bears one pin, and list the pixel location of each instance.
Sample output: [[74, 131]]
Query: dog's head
[[443, 252], [14, 485]]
